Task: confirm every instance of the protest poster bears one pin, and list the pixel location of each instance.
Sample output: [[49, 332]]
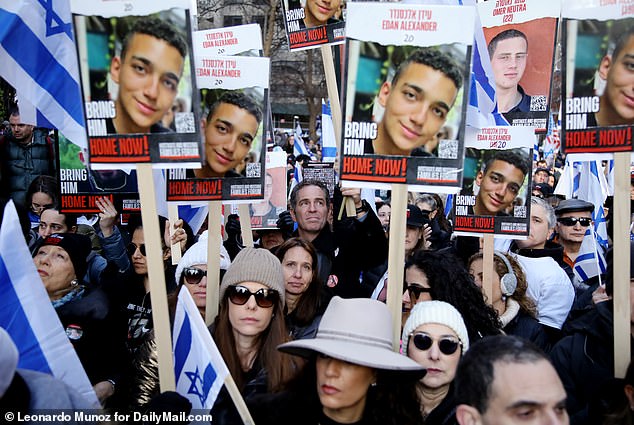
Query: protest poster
[[310, 23], [405, 95], [234, 96], [495, 196], [264, 213], [597, 109], [520, 37], [322, 171], [137, 79], [229, 41]]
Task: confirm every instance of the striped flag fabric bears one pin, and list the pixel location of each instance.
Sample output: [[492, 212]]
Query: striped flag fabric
[[27, 314], [299, 148], [38, 58], [328, 141], [198, 366]]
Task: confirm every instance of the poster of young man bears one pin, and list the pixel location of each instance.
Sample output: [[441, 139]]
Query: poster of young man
[[520, 37], [234, 103], [495, 197], [597, 77], [405, 95], [312, 23], [136, 67]]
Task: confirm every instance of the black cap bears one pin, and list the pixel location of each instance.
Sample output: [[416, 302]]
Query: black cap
[[544, 169], [544, 188], [573, 205], [76, 245], [415, 217]]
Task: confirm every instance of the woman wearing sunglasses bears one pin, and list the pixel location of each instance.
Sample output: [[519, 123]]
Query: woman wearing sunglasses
[[435, 336], [306, 297], [440, 276], [249, 327]]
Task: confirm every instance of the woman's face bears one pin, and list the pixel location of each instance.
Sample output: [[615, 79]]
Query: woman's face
[[40, 201], [412, 236], [342, 388], [55, 268], [249, 319], [198, 290], [441, 367], [384, 215], [475, 270], [139, 261], [416, 277], [298, 270]]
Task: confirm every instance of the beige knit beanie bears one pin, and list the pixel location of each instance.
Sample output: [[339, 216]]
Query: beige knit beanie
[[255, 265]]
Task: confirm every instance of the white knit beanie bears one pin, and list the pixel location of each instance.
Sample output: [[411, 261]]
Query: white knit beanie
[[255, 265], [8, 361], [438, 312], [197, 254]]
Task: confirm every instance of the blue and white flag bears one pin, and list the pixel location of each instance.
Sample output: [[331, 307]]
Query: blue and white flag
[[299, 148], [38, 58], [27, 314], [590, 262], [198, 366], [328, 140]]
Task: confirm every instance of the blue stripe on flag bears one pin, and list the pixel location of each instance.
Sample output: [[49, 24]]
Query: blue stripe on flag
[[25, 46], [183, 345], [14, 320]]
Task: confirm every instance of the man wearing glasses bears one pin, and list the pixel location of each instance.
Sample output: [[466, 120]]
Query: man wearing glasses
[[574, 217], [508, 51]]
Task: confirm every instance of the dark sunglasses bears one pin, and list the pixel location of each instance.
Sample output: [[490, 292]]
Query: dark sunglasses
[[239, 295], [416, 290], [424, 342], [571, 221], [193, 276], [132, 247]]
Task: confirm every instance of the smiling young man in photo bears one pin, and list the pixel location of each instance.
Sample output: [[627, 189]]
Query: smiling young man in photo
[[148, 71], [500, 183], [321, 12]]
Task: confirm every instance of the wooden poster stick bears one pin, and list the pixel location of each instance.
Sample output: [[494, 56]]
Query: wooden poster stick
[[214, 240], [238, 401], [621, 250], [245, 225], [172, 215], [153, 236], [335, 110], [487, 266], [396, 259]]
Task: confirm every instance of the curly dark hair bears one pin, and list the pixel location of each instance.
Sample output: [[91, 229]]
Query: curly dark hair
[[512, 158], [156, 28], [239, 99], [450, 282], [434, 59]]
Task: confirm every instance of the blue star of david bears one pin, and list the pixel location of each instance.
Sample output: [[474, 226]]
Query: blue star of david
[[200, 386], [54, 24]]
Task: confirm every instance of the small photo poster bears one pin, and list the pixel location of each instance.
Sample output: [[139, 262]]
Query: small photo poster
[[313, 23], [406, 92], [495, 196], [264, 213], [136, 67], [521, 39], [597, 69]]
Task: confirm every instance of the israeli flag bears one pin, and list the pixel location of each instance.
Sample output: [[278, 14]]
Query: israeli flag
[[27, 314], [38, 58], [199, 368], [299, 148], [328, 141]]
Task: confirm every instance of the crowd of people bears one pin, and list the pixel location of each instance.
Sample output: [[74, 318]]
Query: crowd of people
[[302, 322]]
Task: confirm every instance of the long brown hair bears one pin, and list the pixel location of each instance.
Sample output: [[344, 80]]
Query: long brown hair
[[279, 367], [308, 304]]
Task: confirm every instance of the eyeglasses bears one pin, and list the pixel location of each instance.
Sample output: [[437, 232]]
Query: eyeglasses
[[193, 276], [265, 298], [133, 247], [416, 290], [424, 342], [571, 221]]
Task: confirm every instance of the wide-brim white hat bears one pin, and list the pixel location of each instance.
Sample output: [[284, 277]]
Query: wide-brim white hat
[[358, 331]]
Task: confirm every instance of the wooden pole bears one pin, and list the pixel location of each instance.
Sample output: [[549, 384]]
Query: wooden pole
[[396, 259], [172, 213], [214, 240], [245, 225], [487, 266], [621, 250], [153, 236]]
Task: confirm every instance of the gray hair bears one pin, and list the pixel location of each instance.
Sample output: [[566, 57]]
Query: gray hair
[[548, 210]]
